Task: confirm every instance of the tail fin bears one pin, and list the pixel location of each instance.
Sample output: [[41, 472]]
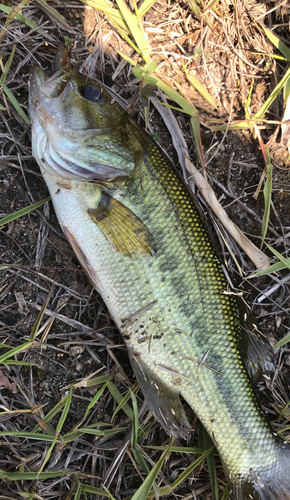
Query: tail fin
[[271, 483]]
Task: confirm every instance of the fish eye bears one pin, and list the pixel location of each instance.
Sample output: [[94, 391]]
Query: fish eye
[[91, 93]]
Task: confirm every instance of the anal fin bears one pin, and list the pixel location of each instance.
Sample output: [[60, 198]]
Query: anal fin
[[255, 349], [164, 402], [123, 229]]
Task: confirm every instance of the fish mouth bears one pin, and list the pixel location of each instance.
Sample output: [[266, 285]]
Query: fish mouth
[[52, 135]]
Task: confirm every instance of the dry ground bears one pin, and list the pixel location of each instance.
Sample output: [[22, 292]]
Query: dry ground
[[82, 338]]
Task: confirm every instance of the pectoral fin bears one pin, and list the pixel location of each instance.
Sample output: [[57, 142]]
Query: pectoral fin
[[161, 399], [122, 228]]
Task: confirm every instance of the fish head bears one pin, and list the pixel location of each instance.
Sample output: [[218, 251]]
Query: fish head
[[78, 132]]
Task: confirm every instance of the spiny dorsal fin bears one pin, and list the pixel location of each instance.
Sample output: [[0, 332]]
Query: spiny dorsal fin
[[161, 399], [123, 229]]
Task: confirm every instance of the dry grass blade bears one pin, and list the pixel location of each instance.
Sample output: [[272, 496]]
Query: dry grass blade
[[260, 259], [54, 13], [11, 16], [28, 22]]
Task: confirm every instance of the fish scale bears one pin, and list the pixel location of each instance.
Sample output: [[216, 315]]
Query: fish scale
[[147, 250]]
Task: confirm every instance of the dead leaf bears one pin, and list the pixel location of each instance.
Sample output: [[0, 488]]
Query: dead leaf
[[4, 382]]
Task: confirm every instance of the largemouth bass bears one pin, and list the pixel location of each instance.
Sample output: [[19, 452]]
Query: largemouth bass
[[138, 233]]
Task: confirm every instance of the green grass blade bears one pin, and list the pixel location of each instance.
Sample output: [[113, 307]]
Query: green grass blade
[[267, 199], [144, 489], [282, 342], [24, 363], [98, 380], [134, 29], [52, 412], [146, 5], [28, 435], [195, 126], [38, 320], [16, 104], [15, 350], [199, 87], [31, 476], [78, 492], [191, 467], [272, 96], [113, 14], [22, 211], [108, 493], [58, 429], [207, 442], [286, 262], [71, 436], [125, 399], [178, 449], [95, 399], [7, 66], [226, 494], [274, 268], [64, 412], [96, 491], [195, 8], [277, 43], [28, 23], [118, 397]]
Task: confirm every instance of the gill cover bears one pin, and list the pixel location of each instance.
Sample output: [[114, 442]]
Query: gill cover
[[77, 133]]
